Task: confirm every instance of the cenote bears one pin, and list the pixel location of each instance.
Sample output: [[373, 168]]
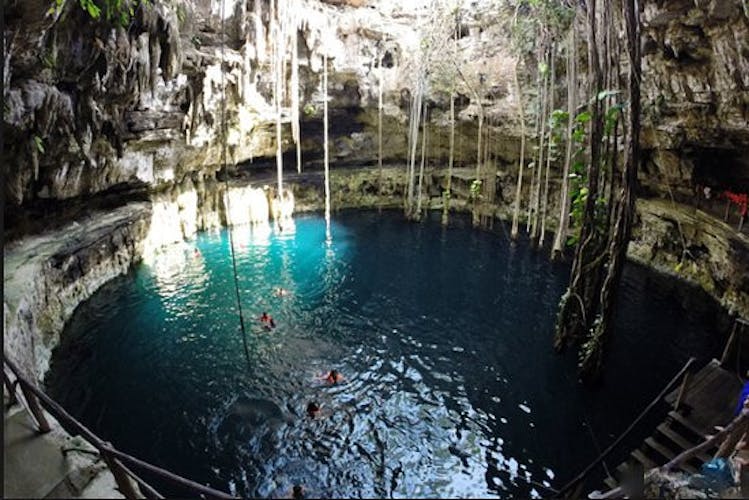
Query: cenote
[[443, 335]]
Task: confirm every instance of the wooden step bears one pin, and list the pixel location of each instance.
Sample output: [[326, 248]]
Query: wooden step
[[686, 423], [611, 482], [668, 454], [662, 450], [680, 441], [646, 462]]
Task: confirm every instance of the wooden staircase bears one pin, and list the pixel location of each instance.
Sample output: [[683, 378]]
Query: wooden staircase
[[708, 400]]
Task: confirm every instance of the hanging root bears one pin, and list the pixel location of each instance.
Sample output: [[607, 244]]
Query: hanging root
[[568, 319], [560, 330], [591, 352]]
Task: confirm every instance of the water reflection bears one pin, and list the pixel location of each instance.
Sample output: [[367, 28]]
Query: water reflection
[[443, 335]]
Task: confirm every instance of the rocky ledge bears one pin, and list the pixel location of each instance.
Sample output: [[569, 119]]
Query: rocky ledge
[[695, 246], [47, 276]]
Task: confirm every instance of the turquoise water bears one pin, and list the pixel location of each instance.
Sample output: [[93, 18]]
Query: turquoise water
[[443, 335]]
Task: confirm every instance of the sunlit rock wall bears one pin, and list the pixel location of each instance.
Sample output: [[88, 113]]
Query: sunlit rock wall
[[47, 276], [91, 105]]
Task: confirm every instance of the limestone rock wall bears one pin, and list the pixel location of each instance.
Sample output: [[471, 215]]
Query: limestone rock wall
[[92, 105], [695, 95], [47, 276], [688, 243]]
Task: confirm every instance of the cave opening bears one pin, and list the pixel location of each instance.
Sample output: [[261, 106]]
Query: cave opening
[[722, 169]]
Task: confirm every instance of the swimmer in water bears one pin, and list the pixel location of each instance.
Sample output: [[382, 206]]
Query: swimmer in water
[[313, 410], [267, 321], [297, 493], [196, 253], [332, 377], [282, 292]]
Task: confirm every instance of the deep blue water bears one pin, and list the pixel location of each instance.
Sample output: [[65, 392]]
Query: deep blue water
[[444, 336]]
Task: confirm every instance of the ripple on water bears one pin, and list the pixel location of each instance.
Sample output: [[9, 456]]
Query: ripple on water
[[451, 388]]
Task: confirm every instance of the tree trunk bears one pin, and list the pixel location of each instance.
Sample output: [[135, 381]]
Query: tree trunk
[[521, 163], [564, 203]]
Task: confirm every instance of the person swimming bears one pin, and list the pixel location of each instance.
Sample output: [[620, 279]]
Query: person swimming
[[297, 493], [282, 292], [267, 321], [313, 409], [332, 377]]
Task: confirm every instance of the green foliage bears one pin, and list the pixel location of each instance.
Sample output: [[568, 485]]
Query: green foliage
[[476, 189], [48, 60], [612, 117], [181, 13], [607, 93], [115, 11], [39, 144], [583, 117], [309, 109]]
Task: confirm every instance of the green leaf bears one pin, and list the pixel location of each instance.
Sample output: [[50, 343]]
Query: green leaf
[[583, 117], [39, 144], [607, 93]]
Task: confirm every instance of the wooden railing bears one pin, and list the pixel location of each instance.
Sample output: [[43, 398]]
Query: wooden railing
[[122, 465], [577, 480]]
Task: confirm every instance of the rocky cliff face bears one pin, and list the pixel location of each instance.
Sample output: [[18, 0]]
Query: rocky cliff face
[[695, 96], [695, 131], [92, 104]]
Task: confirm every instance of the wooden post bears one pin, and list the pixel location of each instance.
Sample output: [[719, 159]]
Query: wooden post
[[682, 390], [727, 349], [120, 476], [34, 408]]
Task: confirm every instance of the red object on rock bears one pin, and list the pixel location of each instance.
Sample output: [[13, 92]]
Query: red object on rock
[[740, 199]]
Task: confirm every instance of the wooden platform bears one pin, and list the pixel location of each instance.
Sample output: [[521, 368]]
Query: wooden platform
[[709, 399]]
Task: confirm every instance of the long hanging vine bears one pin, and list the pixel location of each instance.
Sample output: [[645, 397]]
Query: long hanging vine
[[586, 309]]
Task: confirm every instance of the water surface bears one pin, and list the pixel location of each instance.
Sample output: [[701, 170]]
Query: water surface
[[444, 337]]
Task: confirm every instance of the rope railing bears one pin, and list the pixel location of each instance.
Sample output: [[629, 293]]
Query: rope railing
[[119, 463], [577, 480]]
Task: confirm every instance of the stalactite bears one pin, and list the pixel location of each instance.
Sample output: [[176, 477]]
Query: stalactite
[[277, 58]]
